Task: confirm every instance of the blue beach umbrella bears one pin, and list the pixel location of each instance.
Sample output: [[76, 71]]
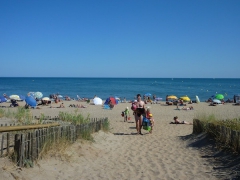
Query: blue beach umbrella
[[3, 99], [148, 94], [31, 101], [22, 97]]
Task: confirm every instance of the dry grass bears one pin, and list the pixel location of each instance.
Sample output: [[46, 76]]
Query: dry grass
[[224, 131]]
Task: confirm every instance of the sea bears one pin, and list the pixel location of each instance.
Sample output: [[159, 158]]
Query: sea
[[121, 87]]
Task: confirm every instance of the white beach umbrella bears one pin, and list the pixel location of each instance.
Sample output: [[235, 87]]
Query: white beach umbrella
[[217, 101], [15, 97], [97, 101], [46, 99]]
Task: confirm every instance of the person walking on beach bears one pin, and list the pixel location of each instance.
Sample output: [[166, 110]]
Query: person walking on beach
[[138, 113], [126, 114]]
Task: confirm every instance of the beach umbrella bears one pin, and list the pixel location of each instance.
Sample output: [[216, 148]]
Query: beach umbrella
[[117, 98], [31, 94], [31, 101], [22, 97], [60, 96], [46, 99], [3, 99], [217, 101], [38, 95], [219, 96], [158, 99], [97, 101], [148, 94], [185, 98], [172, 97], [15, 97]]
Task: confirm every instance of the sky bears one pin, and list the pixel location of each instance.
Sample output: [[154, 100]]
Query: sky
[[120, 38]]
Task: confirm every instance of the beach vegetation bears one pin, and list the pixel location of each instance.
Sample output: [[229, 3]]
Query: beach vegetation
[[76, 118], [2, 113], [21, 115], [226, 132]]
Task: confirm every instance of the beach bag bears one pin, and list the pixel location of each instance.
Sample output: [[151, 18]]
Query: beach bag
[[146, 124], [122, 114]]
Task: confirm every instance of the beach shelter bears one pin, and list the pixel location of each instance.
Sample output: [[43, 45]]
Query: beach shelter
[[15, 97], [22, 97], [219, 96], [185, 98], [172, 97], [114, 101], [2, 99], [158, 99], [46, 99], [97, 101], [38, 95], [217, 101], [148, 94], [31, 101]]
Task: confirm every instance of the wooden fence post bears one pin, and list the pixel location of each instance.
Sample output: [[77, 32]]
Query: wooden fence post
[[17, 148], [2, 144], [22, 150]]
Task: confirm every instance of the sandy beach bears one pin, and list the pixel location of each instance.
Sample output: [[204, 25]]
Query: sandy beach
[[121, 153]]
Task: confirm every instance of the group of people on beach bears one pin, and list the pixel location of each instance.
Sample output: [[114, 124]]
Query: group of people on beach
[[140, 112]]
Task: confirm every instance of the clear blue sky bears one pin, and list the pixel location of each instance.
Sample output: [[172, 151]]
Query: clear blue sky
[[120, 38]]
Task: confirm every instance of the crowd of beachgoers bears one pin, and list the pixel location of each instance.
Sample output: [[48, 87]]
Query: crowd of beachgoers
[[163, 136]]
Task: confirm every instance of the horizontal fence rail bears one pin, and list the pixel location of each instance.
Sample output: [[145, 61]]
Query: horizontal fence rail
[[28, 144]]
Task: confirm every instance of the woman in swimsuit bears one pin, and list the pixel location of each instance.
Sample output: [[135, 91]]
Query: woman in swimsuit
[[138, 114]]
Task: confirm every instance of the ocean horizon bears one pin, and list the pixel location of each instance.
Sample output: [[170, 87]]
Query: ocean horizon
[[121, 87]]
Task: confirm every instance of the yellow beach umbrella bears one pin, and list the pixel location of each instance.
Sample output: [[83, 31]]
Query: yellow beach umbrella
[[185, 98], [172, 97]]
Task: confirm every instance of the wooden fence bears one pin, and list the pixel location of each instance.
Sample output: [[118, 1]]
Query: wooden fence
[[224, 135], [27, 145]]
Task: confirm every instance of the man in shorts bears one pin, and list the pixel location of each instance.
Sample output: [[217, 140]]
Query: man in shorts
[[138, 113]]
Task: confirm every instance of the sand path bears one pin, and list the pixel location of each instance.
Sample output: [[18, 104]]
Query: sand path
[[121, 154]]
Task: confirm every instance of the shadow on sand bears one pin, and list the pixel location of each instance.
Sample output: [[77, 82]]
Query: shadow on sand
[[226, 164], [124, 134]]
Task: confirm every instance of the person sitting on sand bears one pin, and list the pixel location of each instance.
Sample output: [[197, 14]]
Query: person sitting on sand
[[14, 103], [111, 105], [181, 103], [176, 121], [149, 100], [209, 100], [62, 106], [67, 98]]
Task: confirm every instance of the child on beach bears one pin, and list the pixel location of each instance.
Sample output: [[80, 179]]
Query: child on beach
[[126, 114], [150, 117]]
